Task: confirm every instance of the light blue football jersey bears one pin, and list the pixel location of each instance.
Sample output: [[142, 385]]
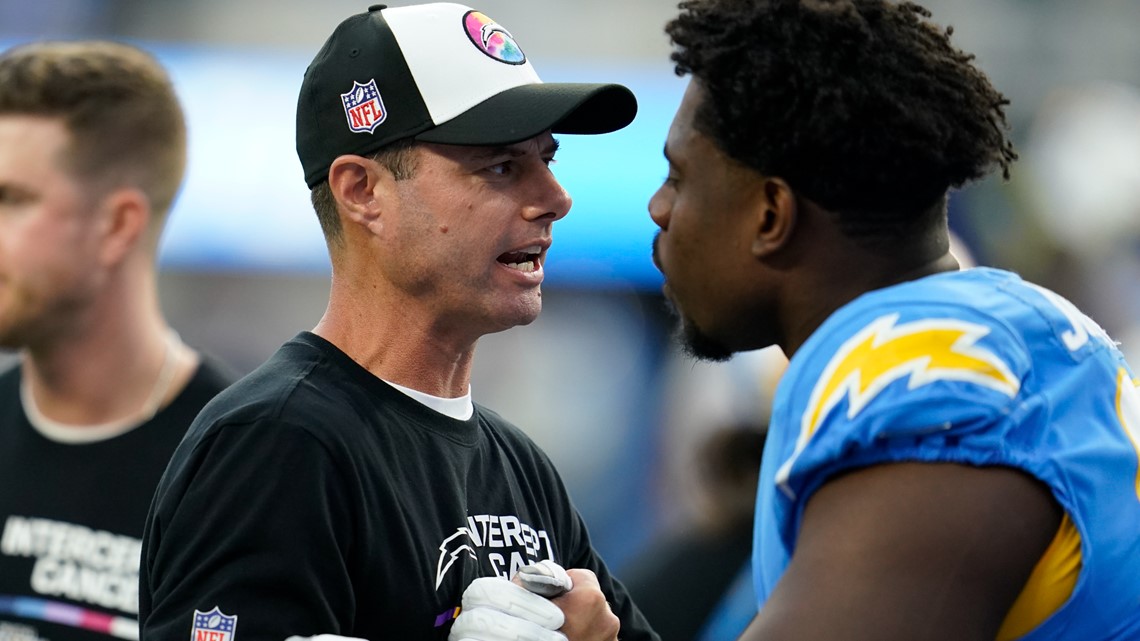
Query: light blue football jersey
[[975, 367]]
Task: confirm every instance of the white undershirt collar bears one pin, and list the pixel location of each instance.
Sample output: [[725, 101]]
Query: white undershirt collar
[[459, 408]]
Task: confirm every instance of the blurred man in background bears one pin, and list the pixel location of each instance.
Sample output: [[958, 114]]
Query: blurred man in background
[[953, 453], [92, 153]]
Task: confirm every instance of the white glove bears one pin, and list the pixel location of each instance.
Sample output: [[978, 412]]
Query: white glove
[[545, 578], [495, 609]]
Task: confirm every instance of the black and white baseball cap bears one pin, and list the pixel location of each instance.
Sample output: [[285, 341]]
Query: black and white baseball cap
[[441, 73]]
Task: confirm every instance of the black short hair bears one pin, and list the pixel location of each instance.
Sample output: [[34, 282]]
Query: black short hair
[[862, 106]]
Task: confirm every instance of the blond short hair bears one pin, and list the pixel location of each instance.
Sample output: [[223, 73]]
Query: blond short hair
[[119, 107]]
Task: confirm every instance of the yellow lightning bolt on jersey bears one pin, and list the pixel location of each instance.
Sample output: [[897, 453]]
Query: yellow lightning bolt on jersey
[[927, 350], [1128, 412]]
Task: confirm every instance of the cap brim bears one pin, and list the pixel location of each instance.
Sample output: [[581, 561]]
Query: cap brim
[[524, 112]]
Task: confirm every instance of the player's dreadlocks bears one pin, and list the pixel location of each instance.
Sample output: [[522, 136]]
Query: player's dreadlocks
[[863, 106]]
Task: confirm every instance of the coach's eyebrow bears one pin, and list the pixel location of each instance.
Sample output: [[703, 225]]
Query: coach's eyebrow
[[514, 151]]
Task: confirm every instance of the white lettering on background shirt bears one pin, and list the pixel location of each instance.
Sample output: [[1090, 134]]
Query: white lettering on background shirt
[[76, 562]]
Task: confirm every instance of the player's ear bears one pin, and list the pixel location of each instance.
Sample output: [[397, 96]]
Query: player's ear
[[359, 186], [775, 216], [124, 220]]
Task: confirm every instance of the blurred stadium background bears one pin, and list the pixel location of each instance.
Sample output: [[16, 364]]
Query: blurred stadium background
[[596, 380]]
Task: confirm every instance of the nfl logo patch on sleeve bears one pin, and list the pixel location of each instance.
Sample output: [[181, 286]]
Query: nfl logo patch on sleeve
[[213, 626], [363, 107]]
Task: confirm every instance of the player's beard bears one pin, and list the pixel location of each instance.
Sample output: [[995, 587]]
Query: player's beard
[[702, 346], [695, 342]]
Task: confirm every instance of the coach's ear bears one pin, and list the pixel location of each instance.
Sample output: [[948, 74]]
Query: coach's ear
[[352, 180], [124, 217], [360, 187]]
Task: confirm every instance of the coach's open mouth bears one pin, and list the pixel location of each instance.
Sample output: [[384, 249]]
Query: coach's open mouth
[[525, 260]]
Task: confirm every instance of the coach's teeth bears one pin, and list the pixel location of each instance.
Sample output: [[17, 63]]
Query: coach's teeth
[[527, 266]]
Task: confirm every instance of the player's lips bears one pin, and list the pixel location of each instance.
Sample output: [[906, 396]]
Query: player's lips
[[656, 253], [666, 291]]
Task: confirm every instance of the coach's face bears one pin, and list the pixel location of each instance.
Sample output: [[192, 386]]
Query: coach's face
[[48, 233], [707, 213], [474, 227]]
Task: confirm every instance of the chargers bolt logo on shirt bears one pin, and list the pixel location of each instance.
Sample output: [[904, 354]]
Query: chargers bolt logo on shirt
[[213, 626], [492, 39], [926, 351], [363, 107]]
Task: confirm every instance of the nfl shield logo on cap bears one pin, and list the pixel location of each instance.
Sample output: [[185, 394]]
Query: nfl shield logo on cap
[[363, 107], [213, 626]]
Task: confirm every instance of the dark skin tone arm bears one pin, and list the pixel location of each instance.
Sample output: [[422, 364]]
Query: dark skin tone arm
[[910, 551]]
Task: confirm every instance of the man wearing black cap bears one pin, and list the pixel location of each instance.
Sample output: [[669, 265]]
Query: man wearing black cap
[[349, 486]]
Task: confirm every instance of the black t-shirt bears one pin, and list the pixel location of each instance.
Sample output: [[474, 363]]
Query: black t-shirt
[[311, 497], [71, 517]]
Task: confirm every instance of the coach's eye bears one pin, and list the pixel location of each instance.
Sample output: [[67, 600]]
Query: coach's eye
[[500, 169]]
